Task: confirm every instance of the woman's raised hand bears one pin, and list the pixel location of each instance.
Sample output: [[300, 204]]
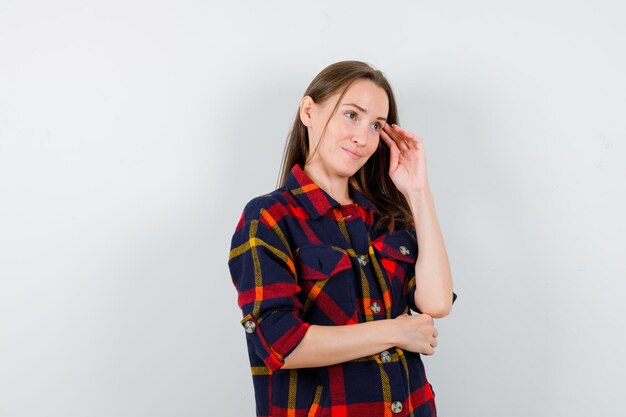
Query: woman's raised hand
[[407, 166], [417, 333]]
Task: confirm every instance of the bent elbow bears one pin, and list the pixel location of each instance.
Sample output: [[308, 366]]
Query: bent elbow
[[438, 311], [441, 312], [435, 308]]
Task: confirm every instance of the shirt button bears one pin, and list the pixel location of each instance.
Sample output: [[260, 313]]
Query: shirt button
[[385, 356], [362, 260], [375, 307], [249, 326], [396, 406], [404, 250]]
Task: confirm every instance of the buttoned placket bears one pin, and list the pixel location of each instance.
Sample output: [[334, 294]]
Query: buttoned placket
[[359, 243], [356, 229]]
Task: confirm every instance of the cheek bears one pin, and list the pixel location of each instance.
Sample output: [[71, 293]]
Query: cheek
[[337, 130], [335, 134], [375, 143], [344, 125]]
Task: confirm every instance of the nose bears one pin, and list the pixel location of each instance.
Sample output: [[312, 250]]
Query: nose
[[359, 136]]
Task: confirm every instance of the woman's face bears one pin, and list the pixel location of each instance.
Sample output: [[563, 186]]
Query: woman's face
[[353, 132]]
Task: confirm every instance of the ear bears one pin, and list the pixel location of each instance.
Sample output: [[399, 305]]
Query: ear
[[306, 110]]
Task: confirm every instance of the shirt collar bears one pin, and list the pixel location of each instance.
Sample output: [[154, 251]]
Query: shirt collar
[[314, 199]]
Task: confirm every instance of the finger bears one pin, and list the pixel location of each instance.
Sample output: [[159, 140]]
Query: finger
[[436, 333], [394, 152], [397, 138], [387, 139], [402, 134], [405, 134], [412, 140]]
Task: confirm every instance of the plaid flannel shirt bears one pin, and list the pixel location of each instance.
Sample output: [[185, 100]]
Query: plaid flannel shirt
[[297, 258]]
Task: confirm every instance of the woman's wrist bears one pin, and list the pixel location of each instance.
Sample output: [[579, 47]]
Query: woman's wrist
[[393, 332], [419, 196]]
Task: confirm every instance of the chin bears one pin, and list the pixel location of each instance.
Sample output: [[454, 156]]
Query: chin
[[347, 169]]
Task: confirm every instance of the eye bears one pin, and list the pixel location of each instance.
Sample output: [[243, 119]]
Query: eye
[[376, 126], [351, 115]]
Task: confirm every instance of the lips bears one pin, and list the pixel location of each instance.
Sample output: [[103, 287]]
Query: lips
[[352, 154]]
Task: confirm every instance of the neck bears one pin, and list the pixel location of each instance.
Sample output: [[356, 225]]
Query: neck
[[335, 185]]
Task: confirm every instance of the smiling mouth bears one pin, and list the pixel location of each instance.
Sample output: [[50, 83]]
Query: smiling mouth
[[352, 154]]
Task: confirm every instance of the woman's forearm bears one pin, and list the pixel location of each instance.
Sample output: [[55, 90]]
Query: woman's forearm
[[329, 345], [433, 279]]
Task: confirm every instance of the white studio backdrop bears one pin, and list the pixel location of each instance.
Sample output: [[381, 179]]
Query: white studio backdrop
[[132, 133]]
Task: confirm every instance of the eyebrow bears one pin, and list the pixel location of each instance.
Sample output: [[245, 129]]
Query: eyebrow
[[363, 110]]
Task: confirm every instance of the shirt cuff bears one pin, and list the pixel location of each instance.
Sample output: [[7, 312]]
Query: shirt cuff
[[275, 337]]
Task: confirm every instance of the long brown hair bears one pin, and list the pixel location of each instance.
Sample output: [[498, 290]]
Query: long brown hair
[[372, 179]]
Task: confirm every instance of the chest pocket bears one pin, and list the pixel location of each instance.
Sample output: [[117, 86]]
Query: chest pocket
[[327, 280], [397, 253]]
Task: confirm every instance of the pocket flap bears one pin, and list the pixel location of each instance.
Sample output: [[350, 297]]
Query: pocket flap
[[321, 261], [400, 245]]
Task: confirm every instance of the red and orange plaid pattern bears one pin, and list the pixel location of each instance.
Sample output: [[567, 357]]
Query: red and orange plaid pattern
[[297, 258]]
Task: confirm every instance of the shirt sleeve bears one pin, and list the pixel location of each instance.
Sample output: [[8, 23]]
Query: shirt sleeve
[[263, 272], [411, 283]]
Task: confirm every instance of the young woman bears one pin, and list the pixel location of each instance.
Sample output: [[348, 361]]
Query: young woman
[[326, 266]]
